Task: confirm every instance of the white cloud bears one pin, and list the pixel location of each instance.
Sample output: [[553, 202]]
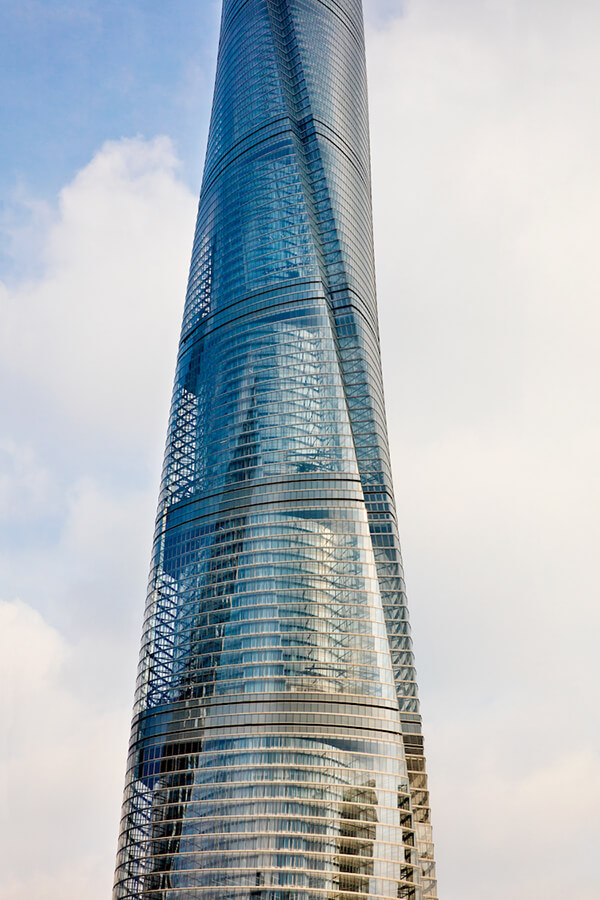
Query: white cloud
[[487, 201], [511, 819], [61, 768], [87, 357], [94, 336], [26, 488]]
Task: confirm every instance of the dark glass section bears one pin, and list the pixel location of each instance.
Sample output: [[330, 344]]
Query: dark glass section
[[276, 749]]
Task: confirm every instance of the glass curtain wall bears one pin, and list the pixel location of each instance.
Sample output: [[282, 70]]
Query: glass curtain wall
[[276, 748]]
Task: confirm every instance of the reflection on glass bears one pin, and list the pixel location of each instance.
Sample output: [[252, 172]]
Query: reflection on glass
[[276, 749]]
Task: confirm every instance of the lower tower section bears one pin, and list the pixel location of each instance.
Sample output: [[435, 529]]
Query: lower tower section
[[285, 800], [267, 755]]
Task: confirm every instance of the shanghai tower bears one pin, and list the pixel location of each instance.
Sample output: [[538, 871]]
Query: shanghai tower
[[276, 749]]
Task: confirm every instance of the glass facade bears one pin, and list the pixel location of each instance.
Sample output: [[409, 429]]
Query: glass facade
[[276, 748]]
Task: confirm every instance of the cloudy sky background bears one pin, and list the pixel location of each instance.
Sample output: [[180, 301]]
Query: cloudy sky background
[[486, 140]]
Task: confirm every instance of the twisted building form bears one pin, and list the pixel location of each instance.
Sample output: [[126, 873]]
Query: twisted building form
[[276, 749]]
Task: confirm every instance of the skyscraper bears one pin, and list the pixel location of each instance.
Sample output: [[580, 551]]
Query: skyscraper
[[276, 748]]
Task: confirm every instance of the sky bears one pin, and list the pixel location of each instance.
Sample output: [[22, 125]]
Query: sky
[[486, 139]]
